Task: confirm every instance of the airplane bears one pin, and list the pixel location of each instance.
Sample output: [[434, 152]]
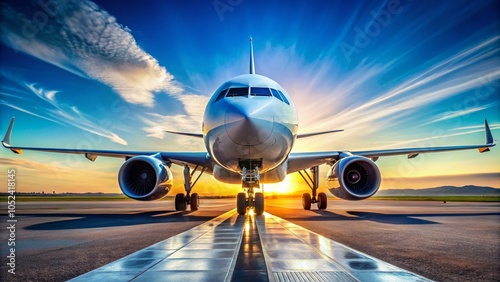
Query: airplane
[[249, 128]]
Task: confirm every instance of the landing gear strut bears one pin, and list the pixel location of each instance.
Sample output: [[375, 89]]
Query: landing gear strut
[[250, 199], [312, 181], [193, 200]]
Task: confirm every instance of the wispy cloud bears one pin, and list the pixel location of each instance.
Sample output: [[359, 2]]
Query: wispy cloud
[[464, 71], [457, 62], [492, 126], [58, 166], [44, 105], [395, 144], [84, 39], [25, 164], [188, 122], [460, 113]]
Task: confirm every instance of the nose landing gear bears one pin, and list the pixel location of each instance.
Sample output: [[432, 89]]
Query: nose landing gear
[[250, 199]]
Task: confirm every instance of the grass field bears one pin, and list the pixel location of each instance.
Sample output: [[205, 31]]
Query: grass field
[[33, 198], [440, 198]]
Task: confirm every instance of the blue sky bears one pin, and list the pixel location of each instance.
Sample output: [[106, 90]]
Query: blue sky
[[116, 74]]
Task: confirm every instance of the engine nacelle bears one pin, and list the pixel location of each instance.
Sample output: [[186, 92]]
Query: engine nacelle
[[145, 178], [354, 178]]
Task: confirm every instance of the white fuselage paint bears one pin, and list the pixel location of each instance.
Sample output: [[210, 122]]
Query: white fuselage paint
[[250, 128]]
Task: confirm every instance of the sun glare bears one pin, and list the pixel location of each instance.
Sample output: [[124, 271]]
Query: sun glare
[[285, 187]]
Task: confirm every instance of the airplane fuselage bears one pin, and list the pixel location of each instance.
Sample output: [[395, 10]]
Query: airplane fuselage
[[250, 121]]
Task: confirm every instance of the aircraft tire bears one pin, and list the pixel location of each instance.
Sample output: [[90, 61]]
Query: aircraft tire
[[306, 201], [322, 201], [180, 202], [241, 203], [259, 203], [195, 201]]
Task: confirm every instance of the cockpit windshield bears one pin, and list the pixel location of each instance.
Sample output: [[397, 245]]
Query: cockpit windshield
[[276, 94], [239, 91], [221, 95], [260, 91], [254, 91], [284, 98]]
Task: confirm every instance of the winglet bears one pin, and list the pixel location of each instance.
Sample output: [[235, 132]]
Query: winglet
[[6, 138], [252, 62], [489, 138]]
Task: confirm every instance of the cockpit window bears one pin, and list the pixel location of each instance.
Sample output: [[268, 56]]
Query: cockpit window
[[284, 98], [221, 95], [240, 91], [276, 94], [260, 91]]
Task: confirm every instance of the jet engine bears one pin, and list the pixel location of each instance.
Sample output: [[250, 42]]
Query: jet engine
[[145, 178], [353, 178]]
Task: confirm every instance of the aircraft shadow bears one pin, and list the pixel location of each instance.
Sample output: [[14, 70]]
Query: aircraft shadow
[[398, 219], [414, 218], [82, 220]]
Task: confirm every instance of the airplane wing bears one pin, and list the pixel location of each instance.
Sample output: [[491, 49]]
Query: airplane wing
[[301, 161], [318, 133], [179, 158], [197, 135]]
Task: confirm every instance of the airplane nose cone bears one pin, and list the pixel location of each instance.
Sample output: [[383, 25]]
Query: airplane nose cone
[[249, 123]]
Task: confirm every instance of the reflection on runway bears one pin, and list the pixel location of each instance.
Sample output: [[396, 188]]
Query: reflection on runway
[[248, 248], [294, 253]]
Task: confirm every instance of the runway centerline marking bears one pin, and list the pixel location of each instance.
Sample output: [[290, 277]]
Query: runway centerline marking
[[294, 253], [210, 252]]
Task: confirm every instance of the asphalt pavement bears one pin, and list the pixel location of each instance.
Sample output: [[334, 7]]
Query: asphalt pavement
[[57, 241]]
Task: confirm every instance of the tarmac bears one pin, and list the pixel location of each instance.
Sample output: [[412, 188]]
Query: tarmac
[[58, 241]]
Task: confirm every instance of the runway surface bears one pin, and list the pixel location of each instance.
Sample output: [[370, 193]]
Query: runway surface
[[57, 241], [224, 249]]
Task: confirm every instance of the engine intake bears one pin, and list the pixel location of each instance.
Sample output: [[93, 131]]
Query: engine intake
[[354, 178], [145, 178]]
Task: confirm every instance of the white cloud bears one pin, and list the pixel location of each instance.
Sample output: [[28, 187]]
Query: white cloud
[[420, 141], [492, 126], [469, 69], [86, 40], [59, 113], [461, 113], [189, 122]]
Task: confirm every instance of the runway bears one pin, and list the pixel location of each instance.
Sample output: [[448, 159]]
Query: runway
[[212, 252], [455, 241]]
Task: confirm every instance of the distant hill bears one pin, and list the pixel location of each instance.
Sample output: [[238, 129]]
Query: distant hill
[[468, 190]]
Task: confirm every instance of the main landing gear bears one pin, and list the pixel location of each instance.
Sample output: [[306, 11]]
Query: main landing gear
[[312, 180], [193, 200], [250, 200]]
